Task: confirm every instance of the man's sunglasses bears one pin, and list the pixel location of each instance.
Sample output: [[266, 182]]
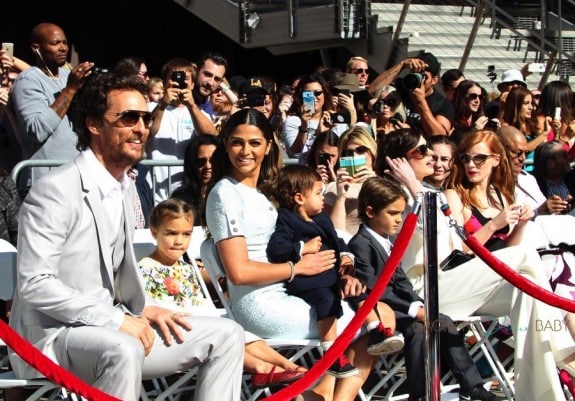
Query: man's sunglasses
[[129, 118], [422, 149], [361, 71], [518, 153], [478, 159], [360, 150]]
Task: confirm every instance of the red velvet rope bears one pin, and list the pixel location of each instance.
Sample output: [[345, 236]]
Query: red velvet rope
[[348, 334], [523, 284], [48, 368]]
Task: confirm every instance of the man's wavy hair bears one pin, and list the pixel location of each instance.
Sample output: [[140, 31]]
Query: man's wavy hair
[[91, 101]]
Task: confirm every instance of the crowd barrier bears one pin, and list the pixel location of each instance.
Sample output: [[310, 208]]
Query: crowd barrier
[[26, 165]]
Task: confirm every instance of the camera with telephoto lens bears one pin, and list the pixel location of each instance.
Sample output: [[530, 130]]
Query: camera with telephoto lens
[[413, 80]]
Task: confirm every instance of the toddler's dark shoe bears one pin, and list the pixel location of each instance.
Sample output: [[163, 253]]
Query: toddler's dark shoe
[[342, 368], [383, 341], [478, 393]]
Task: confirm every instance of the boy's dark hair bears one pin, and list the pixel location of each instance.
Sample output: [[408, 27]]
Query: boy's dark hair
[[293, 179], [378, 192], [172, 208]]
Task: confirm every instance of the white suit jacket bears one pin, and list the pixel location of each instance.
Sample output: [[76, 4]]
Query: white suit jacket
[[65, 274]]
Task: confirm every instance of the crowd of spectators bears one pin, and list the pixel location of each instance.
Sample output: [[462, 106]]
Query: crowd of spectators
[[422, 130]]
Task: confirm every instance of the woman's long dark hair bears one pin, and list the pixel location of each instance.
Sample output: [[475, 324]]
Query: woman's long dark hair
[[461, 110], [295, 108], [221, 164], [395, 144], [330, 138], [191, 189]]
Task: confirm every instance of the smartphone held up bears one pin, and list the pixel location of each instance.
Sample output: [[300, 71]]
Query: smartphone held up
[[308, 101], [180, 78]]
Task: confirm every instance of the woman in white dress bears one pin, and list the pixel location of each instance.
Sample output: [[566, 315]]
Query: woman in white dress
[[475, 289], [241, 218]]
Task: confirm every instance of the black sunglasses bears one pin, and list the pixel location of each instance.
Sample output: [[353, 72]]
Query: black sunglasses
[[478, 159], [422, 149], [129, 118], [473, 96], [360, 150], [317, 93], [202, 161], [361, 71]]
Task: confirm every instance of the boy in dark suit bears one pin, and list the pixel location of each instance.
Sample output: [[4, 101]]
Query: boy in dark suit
[[302, 228], [381, 203]]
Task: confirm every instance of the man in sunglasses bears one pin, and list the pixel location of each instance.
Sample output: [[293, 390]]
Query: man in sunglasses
[[80, 298], [527, 190], [358, 66], [427, 109]]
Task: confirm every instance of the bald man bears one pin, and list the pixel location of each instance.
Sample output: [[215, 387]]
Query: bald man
[[42, 95], [527, 190]]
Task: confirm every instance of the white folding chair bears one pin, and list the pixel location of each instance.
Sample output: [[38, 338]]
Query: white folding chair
[[296, 350], [484, 347], [144, 244]]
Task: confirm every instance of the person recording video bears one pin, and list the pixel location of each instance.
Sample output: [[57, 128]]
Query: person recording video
[[426, 109], [388, 110]]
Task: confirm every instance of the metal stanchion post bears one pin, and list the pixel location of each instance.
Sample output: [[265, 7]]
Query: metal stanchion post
[[430, 263]]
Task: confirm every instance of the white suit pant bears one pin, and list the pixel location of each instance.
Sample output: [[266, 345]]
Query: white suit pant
[[114, 362]]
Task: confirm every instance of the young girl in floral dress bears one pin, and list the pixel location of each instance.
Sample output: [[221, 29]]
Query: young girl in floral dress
[[173, 283]]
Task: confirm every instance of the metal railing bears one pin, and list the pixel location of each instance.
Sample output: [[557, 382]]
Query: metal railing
[[25, 165]]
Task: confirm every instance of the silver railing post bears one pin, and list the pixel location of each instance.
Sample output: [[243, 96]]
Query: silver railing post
[[430, 263]]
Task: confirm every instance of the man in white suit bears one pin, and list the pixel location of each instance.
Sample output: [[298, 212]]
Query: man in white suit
[[80, 297]]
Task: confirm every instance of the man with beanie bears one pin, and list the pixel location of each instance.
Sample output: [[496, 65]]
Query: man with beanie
[[426, 108]]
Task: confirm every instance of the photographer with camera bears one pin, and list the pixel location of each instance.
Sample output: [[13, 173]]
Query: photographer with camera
[[388, 110], [426, 108], [177, 120]]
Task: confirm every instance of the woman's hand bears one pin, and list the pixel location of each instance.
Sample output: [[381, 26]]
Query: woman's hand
[[479, 124], [312, 264], [363, 174], [526, 213], [327, 174], [401, 170], [508, 216], [346, 101], [343, 179], [325, 122], [323, 172]]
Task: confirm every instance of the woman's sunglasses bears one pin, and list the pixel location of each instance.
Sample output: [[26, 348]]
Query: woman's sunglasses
[[422, 150], [360, 150], [478, 159], [129, 118], [473, 96], [202, 161]]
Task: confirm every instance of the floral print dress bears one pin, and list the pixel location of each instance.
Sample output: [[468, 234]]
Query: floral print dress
[[173, 287]]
